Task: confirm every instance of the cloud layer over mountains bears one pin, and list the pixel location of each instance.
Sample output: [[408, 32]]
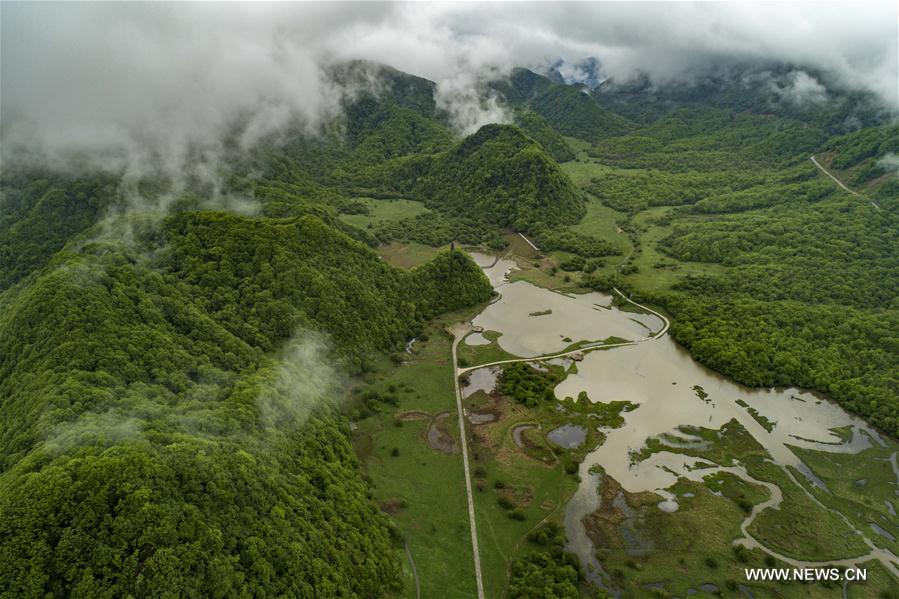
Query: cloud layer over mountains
[[130, 82]]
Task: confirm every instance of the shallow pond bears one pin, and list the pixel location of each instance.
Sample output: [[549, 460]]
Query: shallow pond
[[482, 379], [586, 317], [476, 339], [569, 436], [643, 374], [495, 268]]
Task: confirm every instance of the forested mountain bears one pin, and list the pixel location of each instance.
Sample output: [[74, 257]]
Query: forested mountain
[[151, 438], [498, 175], [40, 212], [569, 109]]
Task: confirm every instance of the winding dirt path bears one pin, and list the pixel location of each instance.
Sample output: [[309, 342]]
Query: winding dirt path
[[414, 571], [840, 183]]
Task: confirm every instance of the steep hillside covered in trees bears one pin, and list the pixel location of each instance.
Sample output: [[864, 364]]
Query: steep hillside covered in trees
[[168, 410], [497, 174]]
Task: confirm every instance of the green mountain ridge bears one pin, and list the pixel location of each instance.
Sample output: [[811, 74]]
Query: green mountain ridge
[[497, 173], [152, 440]]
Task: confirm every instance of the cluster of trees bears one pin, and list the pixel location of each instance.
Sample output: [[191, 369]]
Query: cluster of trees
[[536, 127], [562, 238], [569, 110], [548, 572], [711, 140], [544, 574], [841, 251], [863, 146], [526, 384], [574, 112], [40, 211], [263, 278], [763, 196], [145, 448], [632, 191]]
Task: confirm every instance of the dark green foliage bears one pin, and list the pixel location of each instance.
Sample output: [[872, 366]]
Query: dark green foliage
[[573, 264], [438, 228], [521, 86], [546, 574], [703, 139], [570, 110], [262, 278], [859, 146], [526, 384], [39, 212], [140, 452], [635, 191], [564, 239], [549, 534], [574, 112], [391, 132], [147, 442], [383, 83], [809, 300], [498, 175], [762, 196], [849, 253], [450, 281], [536, 127]]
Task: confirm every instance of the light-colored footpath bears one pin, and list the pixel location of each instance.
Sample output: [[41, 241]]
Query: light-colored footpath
[[840, 183], [458, 332]]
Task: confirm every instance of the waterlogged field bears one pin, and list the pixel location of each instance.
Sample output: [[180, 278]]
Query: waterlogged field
[[665, 477], [703, 479]]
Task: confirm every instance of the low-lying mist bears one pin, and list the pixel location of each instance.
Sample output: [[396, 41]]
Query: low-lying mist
[[164, 87]]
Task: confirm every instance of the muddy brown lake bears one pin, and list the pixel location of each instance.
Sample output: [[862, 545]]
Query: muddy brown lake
[[670, 390]]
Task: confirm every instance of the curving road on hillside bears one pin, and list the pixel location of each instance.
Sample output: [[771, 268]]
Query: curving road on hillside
[[840, 183]]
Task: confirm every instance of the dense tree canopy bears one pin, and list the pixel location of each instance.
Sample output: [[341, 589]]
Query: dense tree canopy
[[167, 417]]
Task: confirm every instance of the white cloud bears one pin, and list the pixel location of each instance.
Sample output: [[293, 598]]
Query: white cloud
[[132, 84], [801, 89]]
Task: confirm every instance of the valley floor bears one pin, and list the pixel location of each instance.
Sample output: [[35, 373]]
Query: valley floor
[[522, 481]]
